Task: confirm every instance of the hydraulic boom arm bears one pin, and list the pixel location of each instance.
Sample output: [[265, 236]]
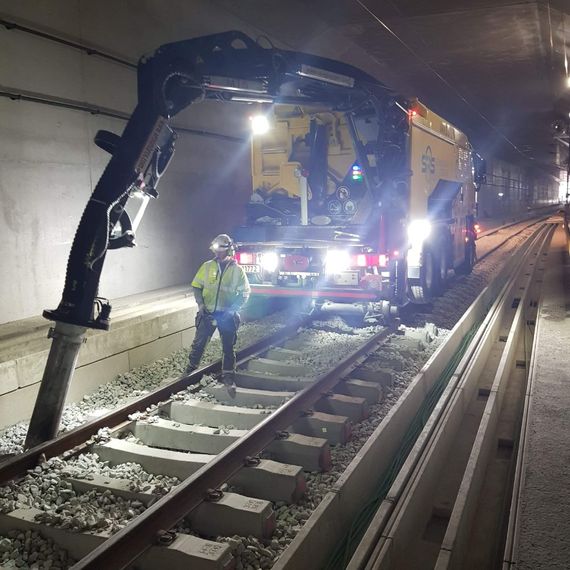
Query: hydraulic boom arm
[[227, 66]]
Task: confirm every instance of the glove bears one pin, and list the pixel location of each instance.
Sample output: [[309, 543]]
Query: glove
[[202, 314]]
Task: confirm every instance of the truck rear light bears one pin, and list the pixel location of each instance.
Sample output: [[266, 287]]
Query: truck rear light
[[369, 260], [361, 260], [245, 258]]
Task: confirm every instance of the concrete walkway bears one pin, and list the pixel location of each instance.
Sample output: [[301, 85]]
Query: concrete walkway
[[544, 516], [144, 327]]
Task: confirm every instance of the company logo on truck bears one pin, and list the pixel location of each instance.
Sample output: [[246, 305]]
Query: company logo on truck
[[428, 161]]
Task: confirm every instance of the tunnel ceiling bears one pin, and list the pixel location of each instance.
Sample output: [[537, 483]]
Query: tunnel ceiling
[[494, 68]]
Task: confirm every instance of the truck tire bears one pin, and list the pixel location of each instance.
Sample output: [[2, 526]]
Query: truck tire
[[428, 286], [443, 270], [470, 257]]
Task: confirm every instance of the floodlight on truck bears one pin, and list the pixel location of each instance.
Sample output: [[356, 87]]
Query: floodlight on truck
[[259, 124], [336, 260], [269, 261], [418, 232]]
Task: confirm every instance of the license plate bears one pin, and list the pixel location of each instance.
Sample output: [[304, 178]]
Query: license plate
[[251, 268], [346, 278]]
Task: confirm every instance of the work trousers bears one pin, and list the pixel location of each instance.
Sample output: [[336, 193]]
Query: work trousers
[[206, 324]]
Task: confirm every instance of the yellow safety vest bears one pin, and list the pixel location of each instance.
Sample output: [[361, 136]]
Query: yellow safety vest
[[222, 288]]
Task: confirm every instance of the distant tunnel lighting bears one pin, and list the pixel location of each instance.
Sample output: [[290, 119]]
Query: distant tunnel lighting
[[568, 81], [259, 124], [500, 194]]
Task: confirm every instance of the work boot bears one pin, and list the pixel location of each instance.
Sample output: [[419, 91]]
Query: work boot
[[229, 380], [190, 368]]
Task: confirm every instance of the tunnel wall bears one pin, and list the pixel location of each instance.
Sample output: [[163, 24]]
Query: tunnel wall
[[511, 190], [49, 164]]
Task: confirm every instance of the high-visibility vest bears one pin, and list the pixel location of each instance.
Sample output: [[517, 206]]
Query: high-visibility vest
[[223, 287]]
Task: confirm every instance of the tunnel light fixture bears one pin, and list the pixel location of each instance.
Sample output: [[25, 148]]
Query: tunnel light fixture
[[259, 124]]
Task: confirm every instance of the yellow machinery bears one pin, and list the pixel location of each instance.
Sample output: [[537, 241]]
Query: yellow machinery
[[271, 164], [342, 212], [359, 195]]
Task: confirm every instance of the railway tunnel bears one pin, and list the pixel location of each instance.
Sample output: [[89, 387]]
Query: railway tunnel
[[405, 439]]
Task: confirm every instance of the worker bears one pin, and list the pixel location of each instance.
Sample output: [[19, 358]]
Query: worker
[[220, 288]]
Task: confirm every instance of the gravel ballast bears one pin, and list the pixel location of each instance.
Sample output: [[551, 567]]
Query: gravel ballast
[[47, 487], [138, 382]]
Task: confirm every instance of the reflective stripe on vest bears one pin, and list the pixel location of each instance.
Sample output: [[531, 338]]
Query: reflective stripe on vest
[[221, 294]]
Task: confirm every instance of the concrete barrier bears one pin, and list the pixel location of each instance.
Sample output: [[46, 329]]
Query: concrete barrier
[[144, 328]]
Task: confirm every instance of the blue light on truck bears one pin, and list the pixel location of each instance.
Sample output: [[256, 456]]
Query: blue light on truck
[[356, 172]]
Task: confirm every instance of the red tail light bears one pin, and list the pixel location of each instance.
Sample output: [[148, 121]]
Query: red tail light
[[245, 258], [360, 260], [369, 260]]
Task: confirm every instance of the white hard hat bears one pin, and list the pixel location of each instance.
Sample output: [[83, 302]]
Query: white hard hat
[[223, 242]]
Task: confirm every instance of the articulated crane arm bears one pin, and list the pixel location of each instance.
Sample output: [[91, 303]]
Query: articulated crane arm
[[227, 66]]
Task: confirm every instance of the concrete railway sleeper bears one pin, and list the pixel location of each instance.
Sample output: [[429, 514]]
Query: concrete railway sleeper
[[179, 438], [445, 507]]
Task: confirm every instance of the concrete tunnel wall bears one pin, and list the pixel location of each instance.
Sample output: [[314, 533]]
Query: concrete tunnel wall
[[510, 190], [49, 164]]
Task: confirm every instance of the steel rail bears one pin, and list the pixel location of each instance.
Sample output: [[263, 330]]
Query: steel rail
[[454, 550], [17, 466], [511, 236], [541, 217], [513, 522], [389, 515], [128, 544]]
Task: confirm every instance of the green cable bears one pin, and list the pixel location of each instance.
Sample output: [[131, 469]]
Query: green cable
[[340, 557]]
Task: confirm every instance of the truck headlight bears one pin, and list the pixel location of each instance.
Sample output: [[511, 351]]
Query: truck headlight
[[269, 261], [260, 124], [336, 261], [418, 232]]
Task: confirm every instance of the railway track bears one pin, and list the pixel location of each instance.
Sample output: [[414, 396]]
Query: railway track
[[269, 440], [180, 437], [446, 508]]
